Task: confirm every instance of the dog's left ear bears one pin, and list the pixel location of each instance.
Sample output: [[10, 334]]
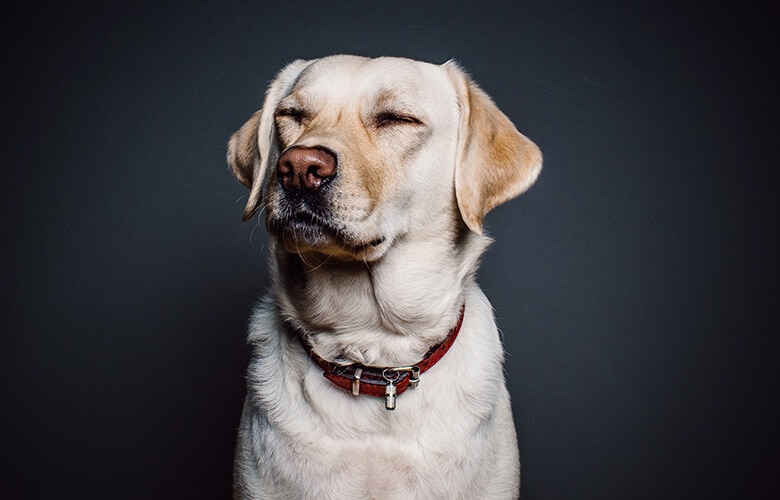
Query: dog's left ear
[[495, 162], [252, 150]]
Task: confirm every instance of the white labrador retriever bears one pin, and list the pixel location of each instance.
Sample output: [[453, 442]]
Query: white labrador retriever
[[374, 176]]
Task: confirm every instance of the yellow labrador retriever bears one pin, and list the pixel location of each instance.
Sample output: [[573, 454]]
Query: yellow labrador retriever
[[377, 368]]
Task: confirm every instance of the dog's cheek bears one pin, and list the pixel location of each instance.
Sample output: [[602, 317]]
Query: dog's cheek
[[397, 167]]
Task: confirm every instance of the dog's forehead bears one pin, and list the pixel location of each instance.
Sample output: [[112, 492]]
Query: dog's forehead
[[352, 78]]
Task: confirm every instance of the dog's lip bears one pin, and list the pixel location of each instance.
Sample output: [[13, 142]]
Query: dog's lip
[[314, 230], [371, 244]]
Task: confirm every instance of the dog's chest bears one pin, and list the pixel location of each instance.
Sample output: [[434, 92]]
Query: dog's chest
[[371, 469]]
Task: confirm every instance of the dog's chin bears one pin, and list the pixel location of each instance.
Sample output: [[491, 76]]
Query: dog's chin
[[313, 238]]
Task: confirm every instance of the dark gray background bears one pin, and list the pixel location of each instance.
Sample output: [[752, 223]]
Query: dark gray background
[[635, 283]]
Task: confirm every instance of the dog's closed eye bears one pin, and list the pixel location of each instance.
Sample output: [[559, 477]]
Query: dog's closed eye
[[391, 118], [298, 115]]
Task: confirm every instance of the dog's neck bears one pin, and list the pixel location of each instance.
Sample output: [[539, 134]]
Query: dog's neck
[[387, 312]]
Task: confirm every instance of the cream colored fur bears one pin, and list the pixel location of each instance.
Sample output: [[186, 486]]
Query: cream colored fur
[[381, 286]]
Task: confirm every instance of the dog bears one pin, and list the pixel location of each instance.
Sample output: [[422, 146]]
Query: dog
[[377, 367]]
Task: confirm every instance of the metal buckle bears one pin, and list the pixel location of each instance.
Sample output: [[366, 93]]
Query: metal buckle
[[414, 373], [356, 381]]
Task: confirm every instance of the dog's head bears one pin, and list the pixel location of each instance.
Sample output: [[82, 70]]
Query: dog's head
[[356, 153]]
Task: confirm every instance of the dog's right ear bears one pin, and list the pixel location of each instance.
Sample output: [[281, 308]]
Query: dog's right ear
[[245, 162], [243, 155], [253, 149]]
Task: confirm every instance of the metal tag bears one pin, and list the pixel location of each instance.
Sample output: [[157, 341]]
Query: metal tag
[[390, 396]]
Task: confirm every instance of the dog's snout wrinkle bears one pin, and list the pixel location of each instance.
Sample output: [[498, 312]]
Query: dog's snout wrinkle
[[305, 169]]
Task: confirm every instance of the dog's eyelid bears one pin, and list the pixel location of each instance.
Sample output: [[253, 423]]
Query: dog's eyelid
[[389, 117], [296, 113]]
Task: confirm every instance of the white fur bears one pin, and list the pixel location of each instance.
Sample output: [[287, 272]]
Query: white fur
[[384, 304]]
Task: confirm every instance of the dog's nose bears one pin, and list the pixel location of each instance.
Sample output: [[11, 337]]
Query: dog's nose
[[305, 169]]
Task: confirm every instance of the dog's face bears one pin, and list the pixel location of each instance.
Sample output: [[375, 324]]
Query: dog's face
[[358, 153]]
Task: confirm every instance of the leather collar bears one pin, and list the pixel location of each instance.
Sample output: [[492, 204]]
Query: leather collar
[[381, 381]]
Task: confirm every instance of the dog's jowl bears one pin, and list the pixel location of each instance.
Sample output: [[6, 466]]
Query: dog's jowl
[[377, 368]]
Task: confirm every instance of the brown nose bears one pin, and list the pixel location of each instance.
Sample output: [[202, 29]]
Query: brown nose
[[305, 169]]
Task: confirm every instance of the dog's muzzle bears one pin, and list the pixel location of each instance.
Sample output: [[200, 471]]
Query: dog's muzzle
[[302, 212]]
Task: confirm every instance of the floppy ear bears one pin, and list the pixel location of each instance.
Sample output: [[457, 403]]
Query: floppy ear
[[253, 149], [495, 162], [243, 156]]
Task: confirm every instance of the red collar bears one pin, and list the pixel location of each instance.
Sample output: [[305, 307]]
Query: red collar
[[387, 382]]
